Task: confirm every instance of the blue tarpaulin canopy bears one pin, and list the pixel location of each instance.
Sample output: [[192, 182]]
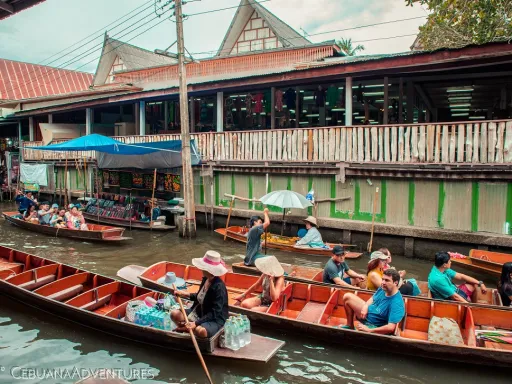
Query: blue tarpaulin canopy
[[115, 154]]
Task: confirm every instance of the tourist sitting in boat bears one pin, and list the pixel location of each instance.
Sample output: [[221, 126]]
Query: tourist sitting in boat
[[505, 284], [382, 312], [25, 201], [375, 270], [337, 271], [313, 238], [253, 248], [209, 311], [74, 219], [58, 220], [44, 213], [441, 285], [271, 282], [31, 215], [407, 287]]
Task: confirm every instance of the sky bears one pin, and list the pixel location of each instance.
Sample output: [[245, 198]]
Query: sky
[[36, 34]]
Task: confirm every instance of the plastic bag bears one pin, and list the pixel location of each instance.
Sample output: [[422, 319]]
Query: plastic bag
[[311, 196], [444, 330]]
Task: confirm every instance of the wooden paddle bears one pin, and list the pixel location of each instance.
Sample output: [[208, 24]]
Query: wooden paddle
[[193, 337], [373, 219], [152, 201], [229, 217]]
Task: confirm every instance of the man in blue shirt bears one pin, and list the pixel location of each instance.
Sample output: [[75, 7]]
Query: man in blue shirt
[[382, 312], [24, 201], [258, 226], [440, 281]]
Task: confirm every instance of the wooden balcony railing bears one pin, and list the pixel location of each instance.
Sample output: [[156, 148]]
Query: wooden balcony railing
[[479, 142]]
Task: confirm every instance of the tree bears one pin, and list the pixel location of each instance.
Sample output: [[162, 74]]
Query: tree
[[347, 48], [457, 23]]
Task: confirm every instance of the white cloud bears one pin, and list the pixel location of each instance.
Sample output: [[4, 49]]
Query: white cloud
[[39, 32]]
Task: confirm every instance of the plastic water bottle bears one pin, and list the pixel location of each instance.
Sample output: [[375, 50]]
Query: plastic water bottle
[[247, 330], [241, 331], [228, 334], [236, 336]]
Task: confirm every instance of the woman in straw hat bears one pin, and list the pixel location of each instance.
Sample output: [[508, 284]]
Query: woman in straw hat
[[209, 311], [313, 237], [271, 282]]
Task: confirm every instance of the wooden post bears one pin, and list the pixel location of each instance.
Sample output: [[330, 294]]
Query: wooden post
[[152, 200], [348, 101], [188, 179], [401, 101], [66, 183], [273, 109], [97, 195], [385, 119]]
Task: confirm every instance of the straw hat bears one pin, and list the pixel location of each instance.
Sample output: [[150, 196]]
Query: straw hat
[[269, 265], [377, 255], [211, 262], [311, 220], [170, 279]]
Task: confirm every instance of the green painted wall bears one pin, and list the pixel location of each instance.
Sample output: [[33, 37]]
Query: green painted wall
[[458, 205]]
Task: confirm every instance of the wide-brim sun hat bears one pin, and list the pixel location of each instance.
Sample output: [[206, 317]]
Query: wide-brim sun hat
[[170, 278], [211, 262], [311, 220], [269, 265], [377, 255]]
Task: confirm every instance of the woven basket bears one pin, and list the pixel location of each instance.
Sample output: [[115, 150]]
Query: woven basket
[[132, 308]]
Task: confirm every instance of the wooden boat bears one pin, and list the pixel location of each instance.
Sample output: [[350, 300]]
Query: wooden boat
[[100, 233], [118, 222], [483, 261], [318, 312], [285, 243], [100, 302], [310, 275]]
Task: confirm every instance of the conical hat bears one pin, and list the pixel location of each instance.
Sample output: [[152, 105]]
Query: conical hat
[[269, 265]]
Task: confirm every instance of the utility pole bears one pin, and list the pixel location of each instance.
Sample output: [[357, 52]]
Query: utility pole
[[189, 224]]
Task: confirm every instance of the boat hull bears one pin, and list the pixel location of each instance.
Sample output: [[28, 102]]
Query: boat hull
[[484, 261], [234, 233], [97, 233], [126, 223]]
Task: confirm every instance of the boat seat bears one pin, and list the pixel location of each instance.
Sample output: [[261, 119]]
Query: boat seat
[[290, 313], [311, 312], [93, 305], [336, 321], [33, 284], [493, 345], [67, 293], [416, 335]]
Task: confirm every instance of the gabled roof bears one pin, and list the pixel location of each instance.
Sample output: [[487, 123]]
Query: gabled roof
[[286, 35], [19, 80], [132, 57]]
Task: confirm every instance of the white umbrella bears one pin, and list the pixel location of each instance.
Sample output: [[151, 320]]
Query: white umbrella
[[286, 199]]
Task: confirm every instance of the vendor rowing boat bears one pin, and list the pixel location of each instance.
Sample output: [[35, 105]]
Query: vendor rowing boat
[[318, 311], [285, 243], [101, 302]]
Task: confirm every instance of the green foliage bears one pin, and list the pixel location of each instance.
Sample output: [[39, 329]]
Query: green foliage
[[457, 23], [347, 48]]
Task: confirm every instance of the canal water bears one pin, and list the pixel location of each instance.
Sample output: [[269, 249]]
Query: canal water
[[38, 341]]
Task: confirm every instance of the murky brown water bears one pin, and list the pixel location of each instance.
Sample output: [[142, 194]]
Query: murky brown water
[[29, 338]]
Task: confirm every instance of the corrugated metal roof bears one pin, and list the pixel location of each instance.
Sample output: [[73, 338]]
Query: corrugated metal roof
[[285, 34], [19, 80], [11, 7]]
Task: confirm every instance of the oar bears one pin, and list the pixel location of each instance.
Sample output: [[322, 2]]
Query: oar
[[229, 216], [193, 336], [373, 219]]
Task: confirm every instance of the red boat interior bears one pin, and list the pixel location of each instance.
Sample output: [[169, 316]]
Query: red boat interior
[[486, 257]]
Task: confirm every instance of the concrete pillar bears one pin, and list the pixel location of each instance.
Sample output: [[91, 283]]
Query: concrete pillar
[[220, 111], [136, 117], [385, 118], [31, 128], [50, 118], [142, 117], [20, 142], [348, 101], [409, 247], [89, 120], [273, 108], [410, 102]]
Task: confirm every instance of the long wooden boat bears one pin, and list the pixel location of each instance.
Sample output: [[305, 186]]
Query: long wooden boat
[[97, 233], [118, 222], [100, 302], [285, 243], [483, 261], [318, 312]]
